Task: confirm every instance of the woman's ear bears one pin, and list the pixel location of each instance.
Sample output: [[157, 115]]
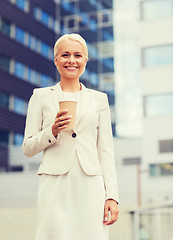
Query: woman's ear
[[86, 60], [55, 60]]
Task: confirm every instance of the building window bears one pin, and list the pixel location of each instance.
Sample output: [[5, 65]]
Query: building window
[[166, 146], [84, 20], [132, 161], [5, 26], [19, 106], [156, 9], [106, 49], [107, 35], [93, 79], [17, 139], [45, 80], [163, 169], [4, 99], [5, 62], [44, 50], [111, 97], [44, 17], [33, 76], [105, 18], [157, 55], [19, 70], [4, 137], [108, 63], [22, 4], [106, 81], [20, 35], [158, 104], [92, 51]]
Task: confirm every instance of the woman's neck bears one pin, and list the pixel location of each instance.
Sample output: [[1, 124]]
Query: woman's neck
[[70, 85]]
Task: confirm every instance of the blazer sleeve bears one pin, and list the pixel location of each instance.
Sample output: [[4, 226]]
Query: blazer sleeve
[[36, 139], [105, 146]]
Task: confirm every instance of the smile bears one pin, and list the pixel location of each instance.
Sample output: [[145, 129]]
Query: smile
[[71, 68]]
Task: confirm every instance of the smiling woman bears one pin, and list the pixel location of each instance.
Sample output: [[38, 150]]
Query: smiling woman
[[70, 58], [77, 186]]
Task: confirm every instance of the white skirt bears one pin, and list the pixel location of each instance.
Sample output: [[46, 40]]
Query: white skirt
[[71, 206]]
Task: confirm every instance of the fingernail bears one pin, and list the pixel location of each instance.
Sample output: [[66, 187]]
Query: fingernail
[[106, 218]]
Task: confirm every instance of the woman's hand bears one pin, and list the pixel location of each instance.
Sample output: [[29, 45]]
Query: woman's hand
[[112, 206], [60, 122]]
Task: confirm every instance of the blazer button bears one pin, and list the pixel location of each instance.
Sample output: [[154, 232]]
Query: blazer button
[[49, 141], [74, 135]]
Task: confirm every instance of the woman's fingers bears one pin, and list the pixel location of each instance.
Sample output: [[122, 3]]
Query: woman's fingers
[[60, 119], [61, 112], [112, 206], [61, 123]]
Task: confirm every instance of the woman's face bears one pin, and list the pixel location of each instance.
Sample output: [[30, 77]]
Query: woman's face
[[70, 59]]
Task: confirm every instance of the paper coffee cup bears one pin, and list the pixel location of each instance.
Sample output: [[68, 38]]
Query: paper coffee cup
[[71, 106]]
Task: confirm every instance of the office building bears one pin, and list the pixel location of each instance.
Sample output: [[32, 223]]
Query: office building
[[28, 31], [144, 92]]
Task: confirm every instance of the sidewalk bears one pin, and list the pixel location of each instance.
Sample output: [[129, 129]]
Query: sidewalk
[[20, 224]]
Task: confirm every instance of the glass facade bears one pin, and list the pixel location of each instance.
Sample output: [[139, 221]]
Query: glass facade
[[26, 39], [45, 18]]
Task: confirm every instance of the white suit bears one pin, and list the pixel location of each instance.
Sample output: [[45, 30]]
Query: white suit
[[93, 142]]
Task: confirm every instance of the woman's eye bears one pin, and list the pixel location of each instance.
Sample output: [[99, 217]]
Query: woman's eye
[[64, 55], [78, 55]]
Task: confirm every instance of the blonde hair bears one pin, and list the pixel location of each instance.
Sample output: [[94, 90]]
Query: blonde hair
[[74, 37]]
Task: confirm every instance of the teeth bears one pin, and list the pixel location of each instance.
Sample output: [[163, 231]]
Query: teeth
[[71, 67]]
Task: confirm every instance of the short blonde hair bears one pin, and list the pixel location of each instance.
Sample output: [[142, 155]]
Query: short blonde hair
[[74, 37]]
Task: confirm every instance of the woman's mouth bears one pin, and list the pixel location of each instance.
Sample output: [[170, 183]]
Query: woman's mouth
[[71, 68]]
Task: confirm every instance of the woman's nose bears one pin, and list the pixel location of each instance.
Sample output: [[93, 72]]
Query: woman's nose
[[71, 59]]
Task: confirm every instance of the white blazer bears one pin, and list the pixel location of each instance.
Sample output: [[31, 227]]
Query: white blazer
[[93, 143]]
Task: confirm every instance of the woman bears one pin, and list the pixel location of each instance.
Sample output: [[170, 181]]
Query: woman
[[77, 185]]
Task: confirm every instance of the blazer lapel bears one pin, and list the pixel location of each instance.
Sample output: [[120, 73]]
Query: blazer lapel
[[57, 95]]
